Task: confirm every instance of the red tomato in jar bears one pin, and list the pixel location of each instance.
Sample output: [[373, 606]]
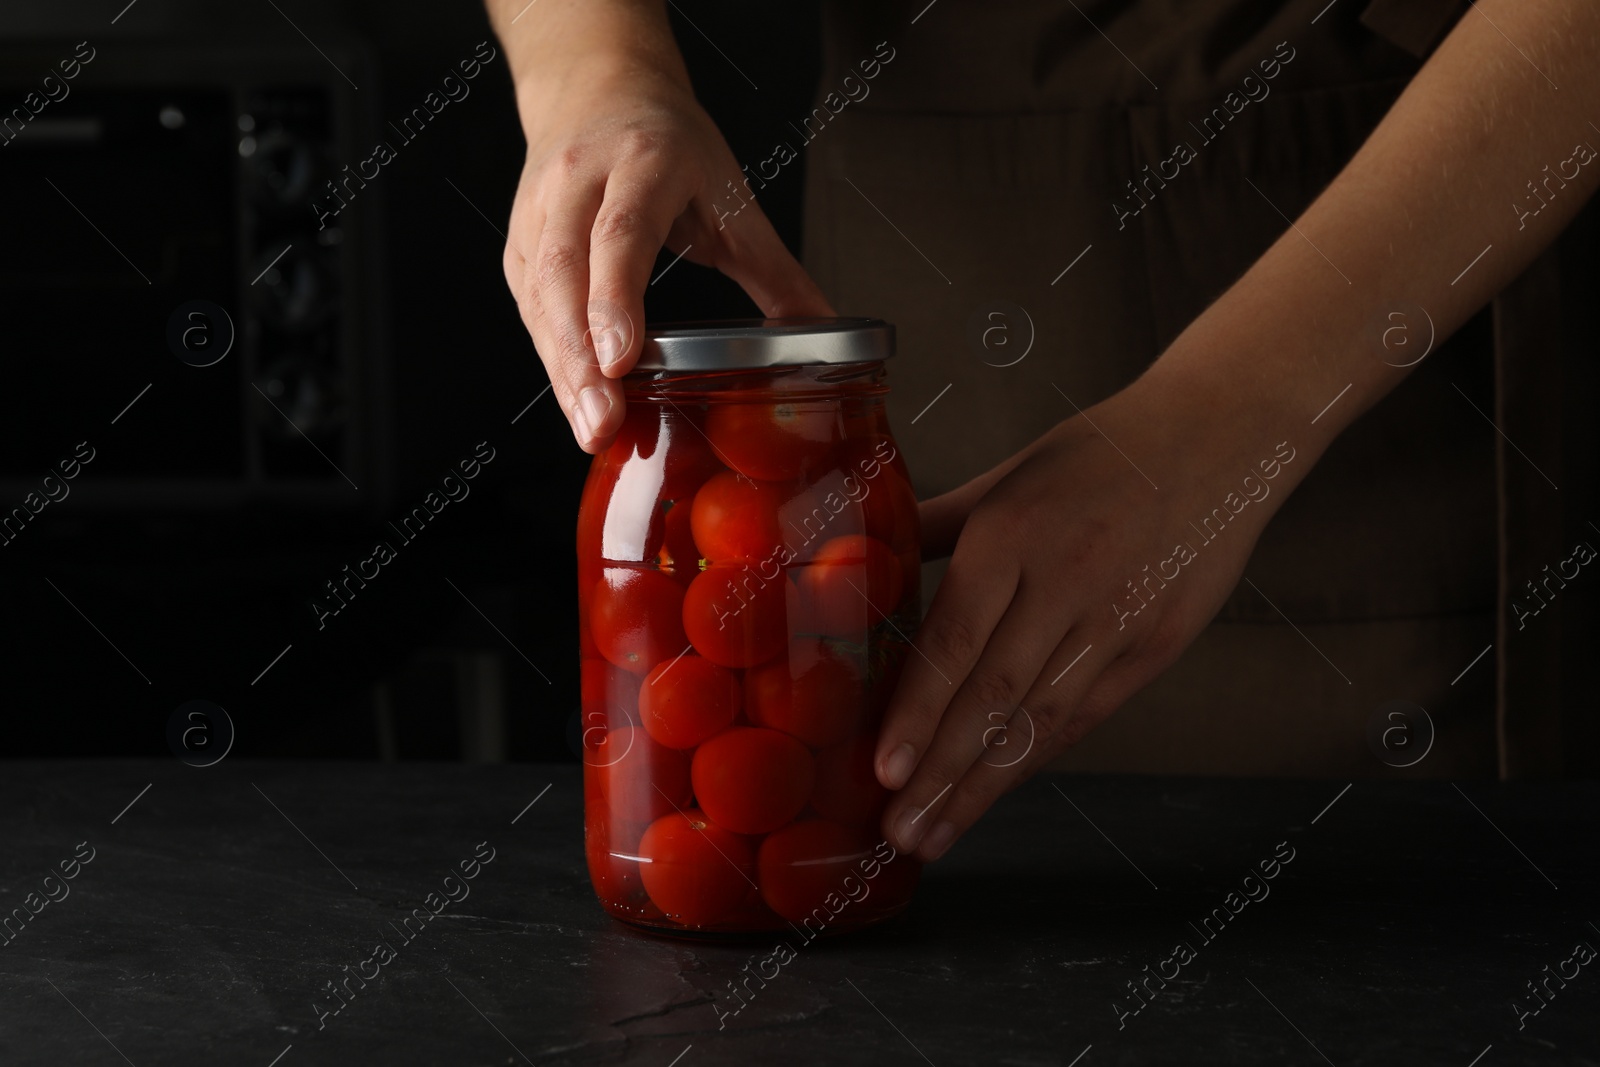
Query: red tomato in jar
[[752, 780], [734, 518], [690, 463], [695, 871], [831, 506], [844, 575], [678, 555], [673, 433], [813, 864], [636, 617], [684, 479], [847, 789], [734, 617], [640, 779], [889, 502], [657, 462], [818, 693], [821, 510], [773, 441], [637, 436], [687, 700]]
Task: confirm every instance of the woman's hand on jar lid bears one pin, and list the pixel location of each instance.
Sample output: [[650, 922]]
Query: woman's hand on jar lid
[[621, 164]]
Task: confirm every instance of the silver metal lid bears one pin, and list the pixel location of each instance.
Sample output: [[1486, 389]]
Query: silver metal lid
[[742, 344]]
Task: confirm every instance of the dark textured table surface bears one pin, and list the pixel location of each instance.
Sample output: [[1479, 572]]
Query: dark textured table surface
[[1405, 928]]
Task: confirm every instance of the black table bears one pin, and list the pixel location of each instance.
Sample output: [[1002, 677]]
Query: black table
[[220, 902]]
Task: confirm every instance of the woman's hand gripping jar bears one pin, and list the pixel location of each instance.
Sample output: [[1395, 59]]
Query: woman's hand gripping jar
[[748, 566]]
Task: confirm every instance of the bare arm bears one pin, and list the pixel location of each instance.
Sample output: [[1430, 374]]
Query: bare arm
[[1442, 178], [1043, 546]]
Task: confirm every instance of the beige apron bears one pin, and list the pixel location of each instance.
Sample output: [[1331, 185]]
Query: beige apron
[[982, 163]]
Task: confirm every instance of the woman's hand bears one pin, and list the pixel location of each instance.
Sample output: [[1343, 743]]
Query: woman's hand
[[1074, 581], [621, 161]]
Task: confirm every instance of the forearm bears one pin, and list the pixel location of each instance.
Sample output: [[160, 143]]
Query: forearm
[[549, 41], [1433, 187]]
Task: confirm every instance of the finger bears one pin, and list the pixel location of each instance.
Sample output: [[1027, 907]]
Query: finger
[[985, 703], [555, 309], [1052, 718], [969, 604], [755, 256], [629, 231], [1116, 682]]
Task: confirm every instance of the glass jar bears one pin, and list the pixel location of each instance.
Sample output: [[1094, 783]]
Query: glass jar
[[748, 568]]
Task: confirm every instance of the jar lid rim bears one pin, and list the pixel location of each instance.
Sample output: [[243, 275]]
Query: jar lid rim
[[739, 344]]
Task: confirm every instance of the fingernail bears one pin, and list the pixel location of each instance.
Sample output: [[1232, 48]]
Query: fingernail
[[607, 346], [898, 767], [590, 413], [938, 841], [909, 828]]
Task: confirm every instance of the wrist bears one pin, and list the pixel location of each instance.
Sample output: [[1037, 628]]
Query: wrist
[[1280, 356], [1210, 436], [601, 80], [620, 43]]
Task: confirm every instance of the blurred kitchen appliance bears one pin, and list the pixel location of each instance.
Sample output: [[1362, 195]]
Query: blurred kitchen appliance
[[158, 203]]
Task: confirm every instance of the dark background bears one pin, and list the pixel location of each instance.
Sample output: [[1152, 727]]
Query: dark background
[[175, 570]]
